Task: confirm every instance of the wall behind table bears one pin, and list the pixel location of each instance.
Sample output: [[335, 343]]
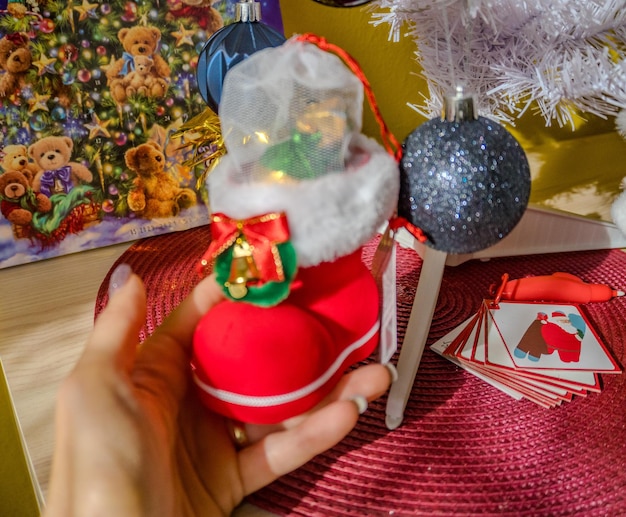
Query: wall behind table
[[578, 171]]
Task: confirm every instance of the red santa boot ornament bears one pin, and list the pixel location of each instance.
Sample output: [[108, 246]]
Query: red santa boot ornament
[[298, 194]]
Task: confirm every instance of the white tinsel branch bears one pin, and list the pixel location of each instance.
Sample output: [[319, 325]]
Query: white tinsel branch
[[620, 125], [555, 57]]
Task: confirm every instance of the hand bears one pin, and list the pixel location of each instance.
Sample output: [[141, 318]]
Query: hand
[[132, 438]]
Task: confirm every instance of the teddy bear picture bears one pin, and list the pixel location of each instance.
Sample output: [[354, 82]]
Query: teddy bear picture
[[155, 193], [142, 81], [15, 60], [95, 98], [138, 41], [57, 173], [15, 158], [19, 201]]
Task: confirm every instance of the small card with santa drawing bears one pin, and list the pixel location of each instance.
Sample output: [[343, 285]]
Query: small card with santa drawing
[[544, 337], [544, 352]]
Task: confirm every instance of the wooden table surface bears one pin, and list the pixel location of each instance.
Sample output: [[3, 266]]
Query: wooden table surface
[[46, 314]]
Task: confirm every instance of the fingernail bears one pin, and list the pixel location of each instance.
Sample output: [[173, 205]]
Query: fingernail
[[392, 371], [360, 402], [119, 277]]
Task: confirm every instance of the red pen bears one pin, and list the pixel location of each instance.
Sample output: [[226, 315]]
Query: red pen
[[558, 287]]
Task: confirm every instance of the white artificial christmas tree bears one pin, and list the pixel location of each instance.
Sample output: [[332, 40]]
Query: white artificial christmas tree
[[555, 57]]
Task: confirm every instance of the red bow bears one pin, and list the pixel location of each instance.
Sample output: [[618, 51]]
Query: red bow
[[262, 232], [400, 222], [18, 39]]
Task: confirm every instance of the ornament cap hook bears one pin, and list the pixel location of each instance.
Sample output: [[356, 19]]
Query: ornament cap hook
[[248, 11], [460, 107]]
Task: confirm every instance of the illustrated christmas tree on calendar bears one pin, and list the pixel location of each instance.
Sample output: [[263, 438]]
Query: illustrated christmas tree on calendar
[[82, 86]]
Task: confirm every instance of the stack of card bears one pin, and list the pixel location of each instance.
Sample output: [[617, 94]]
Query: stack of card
[[544, 352]]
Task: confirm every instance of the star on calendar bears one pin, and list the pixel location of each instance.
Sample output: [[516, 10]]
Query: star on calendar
[[38, 103], [86, 10], [183, 36], [98, 127], [45, 64]]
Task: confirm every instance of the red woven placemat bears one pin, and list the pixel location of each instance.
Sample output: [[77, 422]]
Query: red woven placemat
[[464, 447]]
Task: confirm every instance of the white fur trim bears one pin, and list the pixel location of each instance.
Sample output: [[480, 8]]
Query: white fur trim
[[330, 216], [618, 212]]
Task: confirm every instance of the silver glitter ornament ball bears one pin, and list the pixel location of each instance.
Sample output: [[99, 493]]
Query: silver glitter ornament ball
[[465, 180]]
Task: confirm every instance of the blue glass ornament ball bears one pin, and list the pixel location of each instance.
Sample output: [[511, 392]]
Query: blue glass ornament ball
[[464, 184], [227, 47]]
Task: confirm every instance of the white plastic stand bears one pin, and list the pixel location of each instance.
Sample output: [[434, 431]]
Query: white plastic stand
[[540, 230], [416, 334]]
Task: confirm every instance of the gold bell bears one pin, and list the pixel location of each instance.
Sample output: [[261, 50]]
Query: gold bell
[[242, 269]]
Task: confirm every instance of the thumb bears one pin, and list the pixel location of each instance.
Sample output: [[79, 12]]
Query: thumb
[[115, 335]]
